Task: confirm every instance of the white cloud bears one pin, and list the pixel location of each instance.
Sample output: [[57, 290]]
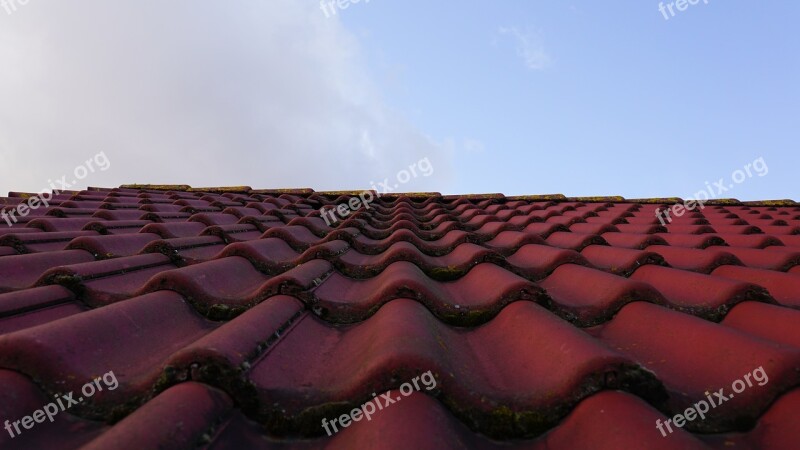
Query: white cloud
[[529, 47], [268, 94]]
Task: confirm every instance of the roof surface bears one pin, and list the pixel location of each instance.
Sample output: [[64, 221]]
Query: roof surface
[[236, 318]]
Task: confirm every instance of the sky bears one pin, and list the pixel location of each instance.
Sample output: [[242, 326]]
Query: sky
[[514, 96]]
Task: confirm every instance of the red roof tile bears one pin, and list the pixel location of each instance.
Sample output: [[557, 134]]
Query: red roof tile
[[237, 318]]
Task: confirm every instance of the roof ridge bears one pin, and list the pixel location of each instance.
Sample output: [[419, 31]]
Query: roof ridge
[[417, 195]]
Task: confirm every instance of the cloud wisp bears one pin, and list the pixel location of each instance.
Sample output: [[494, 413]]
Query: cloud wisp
[[529, 47]]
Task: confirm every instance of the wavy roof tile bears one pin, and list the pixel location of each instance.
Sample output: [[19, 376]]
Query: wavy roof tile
[[234, 317]]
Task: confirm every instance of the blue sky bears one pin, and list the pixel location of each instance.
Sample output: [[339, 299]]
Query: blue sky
[[518, 97], [630, 104]]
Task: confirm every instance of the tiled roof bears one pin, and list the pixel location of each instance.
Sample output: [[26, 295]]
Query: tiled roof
[[238, 318]]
